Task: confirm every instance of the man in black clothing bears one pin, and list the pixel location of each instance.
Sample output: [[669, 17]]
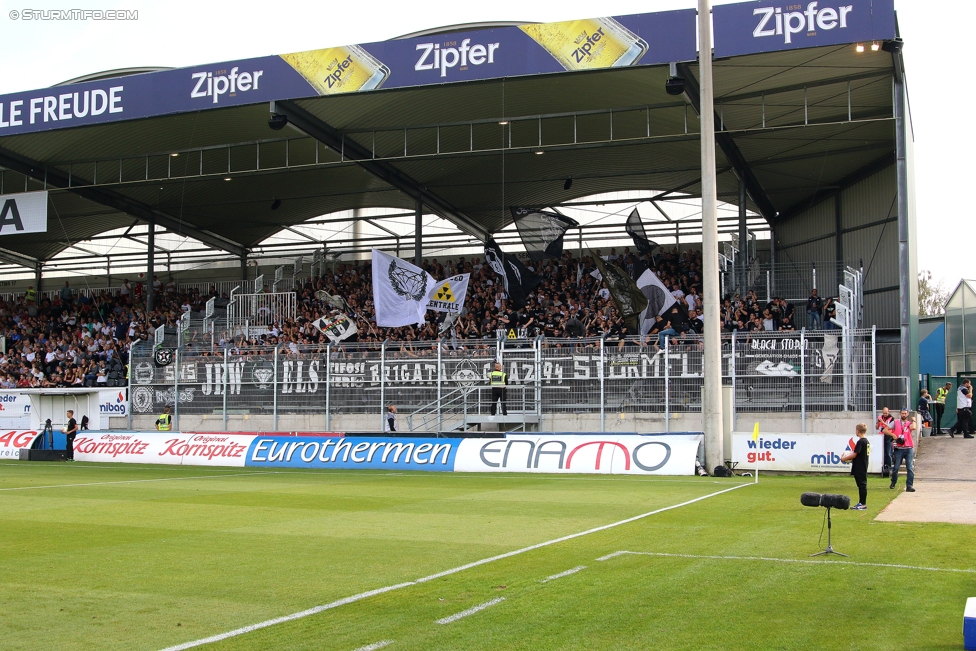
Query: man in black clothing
[[858, 458], [70, 431]]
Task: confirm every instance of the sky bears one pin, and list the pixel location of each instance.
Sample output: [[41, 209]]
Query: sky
[[177, 33]]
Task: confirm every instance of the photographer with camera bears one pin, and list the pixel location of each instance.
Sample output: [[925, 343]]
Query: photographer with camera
[[904, 448], [885, 427]]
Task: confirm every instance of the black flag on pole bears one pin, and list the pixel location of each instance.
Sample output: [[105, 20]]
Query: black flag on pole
[[635, 228], [542, 231], [628, 298], [516, 277]]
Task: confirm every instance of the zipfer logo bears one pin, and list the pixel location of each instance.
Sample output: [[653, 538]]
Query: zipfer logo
[[789, 20], [221, 82], [434, 57]]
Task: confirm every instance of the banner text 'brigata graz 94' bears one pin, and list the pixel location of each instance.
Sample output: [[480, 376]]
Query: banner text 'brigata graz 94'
[[569, 453], [531, 49]]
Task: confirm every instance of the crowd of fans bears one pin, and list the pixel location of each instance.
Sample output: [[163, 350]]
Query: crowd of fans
[[72, 339]]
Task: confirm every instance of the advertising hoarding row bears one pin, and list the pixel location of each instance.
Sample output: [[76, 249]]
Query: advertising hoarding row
[[571, 453]]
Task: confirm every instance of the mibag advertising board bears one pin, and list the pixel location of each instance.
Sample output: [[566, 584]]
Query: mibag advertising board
[[802, 452]]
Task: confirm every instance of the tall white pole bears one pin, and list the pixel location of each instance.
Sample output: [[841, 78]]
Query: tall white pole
[[712, 388]]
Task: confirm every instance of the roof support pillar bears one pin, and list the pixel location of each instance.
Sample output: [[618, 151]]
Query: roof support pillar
[[244, 267], [418, 232], [906, 280], [712, 414], [150, 266], [37, 280], [742, 260], [838, 239]]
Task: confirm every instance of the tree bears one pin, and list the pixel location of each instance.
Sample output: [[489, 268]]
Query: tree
[[932, 295]]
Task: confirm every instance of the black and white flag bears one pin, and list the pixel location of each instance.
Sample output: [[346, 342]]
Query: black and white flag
[[659, 299], [517, 279], [635, 228], [337, 327], [542, 231], [628, 298]]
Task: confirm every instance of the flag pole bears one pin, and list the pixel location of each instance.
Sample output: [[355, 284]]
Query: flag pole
[[712, 388]]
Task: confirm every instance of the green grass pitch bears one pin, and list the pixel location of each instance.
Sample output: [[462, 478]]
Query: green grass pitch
[[144, 558]]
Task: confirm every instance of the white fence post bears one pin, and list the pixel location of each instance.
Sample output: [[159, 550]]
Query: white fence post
[[732, 373], [224, 380], [603, 385], [328, 388], [440, 406], [275, 391], [803, 381], [383, 385], [667, 384]]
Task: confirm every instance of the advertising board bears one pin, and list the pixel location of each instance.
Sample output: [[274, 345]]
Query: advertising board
[[360, 452], [589, 454], [12, 442], [802, 452], [15, 411]]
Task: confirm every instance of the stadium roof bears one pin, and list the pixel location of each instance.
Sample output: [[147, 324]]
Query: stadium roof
[[796, 124]]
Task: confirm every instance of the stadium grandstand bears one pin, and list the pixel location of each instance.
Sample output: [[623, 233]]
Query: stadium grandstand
[[222, 226]]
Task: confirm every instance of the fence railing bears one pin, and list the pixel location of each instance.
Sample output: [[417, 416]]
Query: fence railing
[[798, 372], [257, 312]]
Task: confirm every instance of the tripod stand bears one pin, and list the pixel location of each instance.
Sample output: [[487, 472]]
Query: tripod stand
[[830, 548]]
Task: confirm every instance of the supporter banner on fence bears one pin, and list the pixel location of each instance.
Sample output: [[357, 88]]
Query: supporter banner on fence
[[802, 452], [15, 411], [589, 454], [364, 453], [763, 363], [12, 442]]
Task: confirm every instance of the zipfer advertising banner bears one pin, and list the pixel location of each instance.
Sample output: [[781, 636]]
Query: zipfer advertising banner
[[767, 26], [571, 453], [802, 452], [590, 44]]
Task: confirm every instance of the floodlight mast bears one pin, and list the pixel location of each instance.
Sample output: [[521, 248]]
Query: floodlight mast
[[712, 370]]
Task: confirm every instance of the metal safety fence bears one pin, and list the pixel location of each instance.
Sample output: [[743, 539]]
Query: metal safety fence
[[443, 382]]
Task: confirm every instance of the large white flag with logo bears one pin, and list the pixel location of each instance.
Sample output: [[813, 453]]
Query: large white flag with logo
[[448, 296], [659, 298], [400, 291]]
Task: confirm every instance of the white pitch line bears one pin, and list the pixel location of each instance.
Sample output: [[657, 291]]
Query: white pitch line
[[432, 577], [470, 611], [789, 560], [140, 481], [562, 574], [375, 645]]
